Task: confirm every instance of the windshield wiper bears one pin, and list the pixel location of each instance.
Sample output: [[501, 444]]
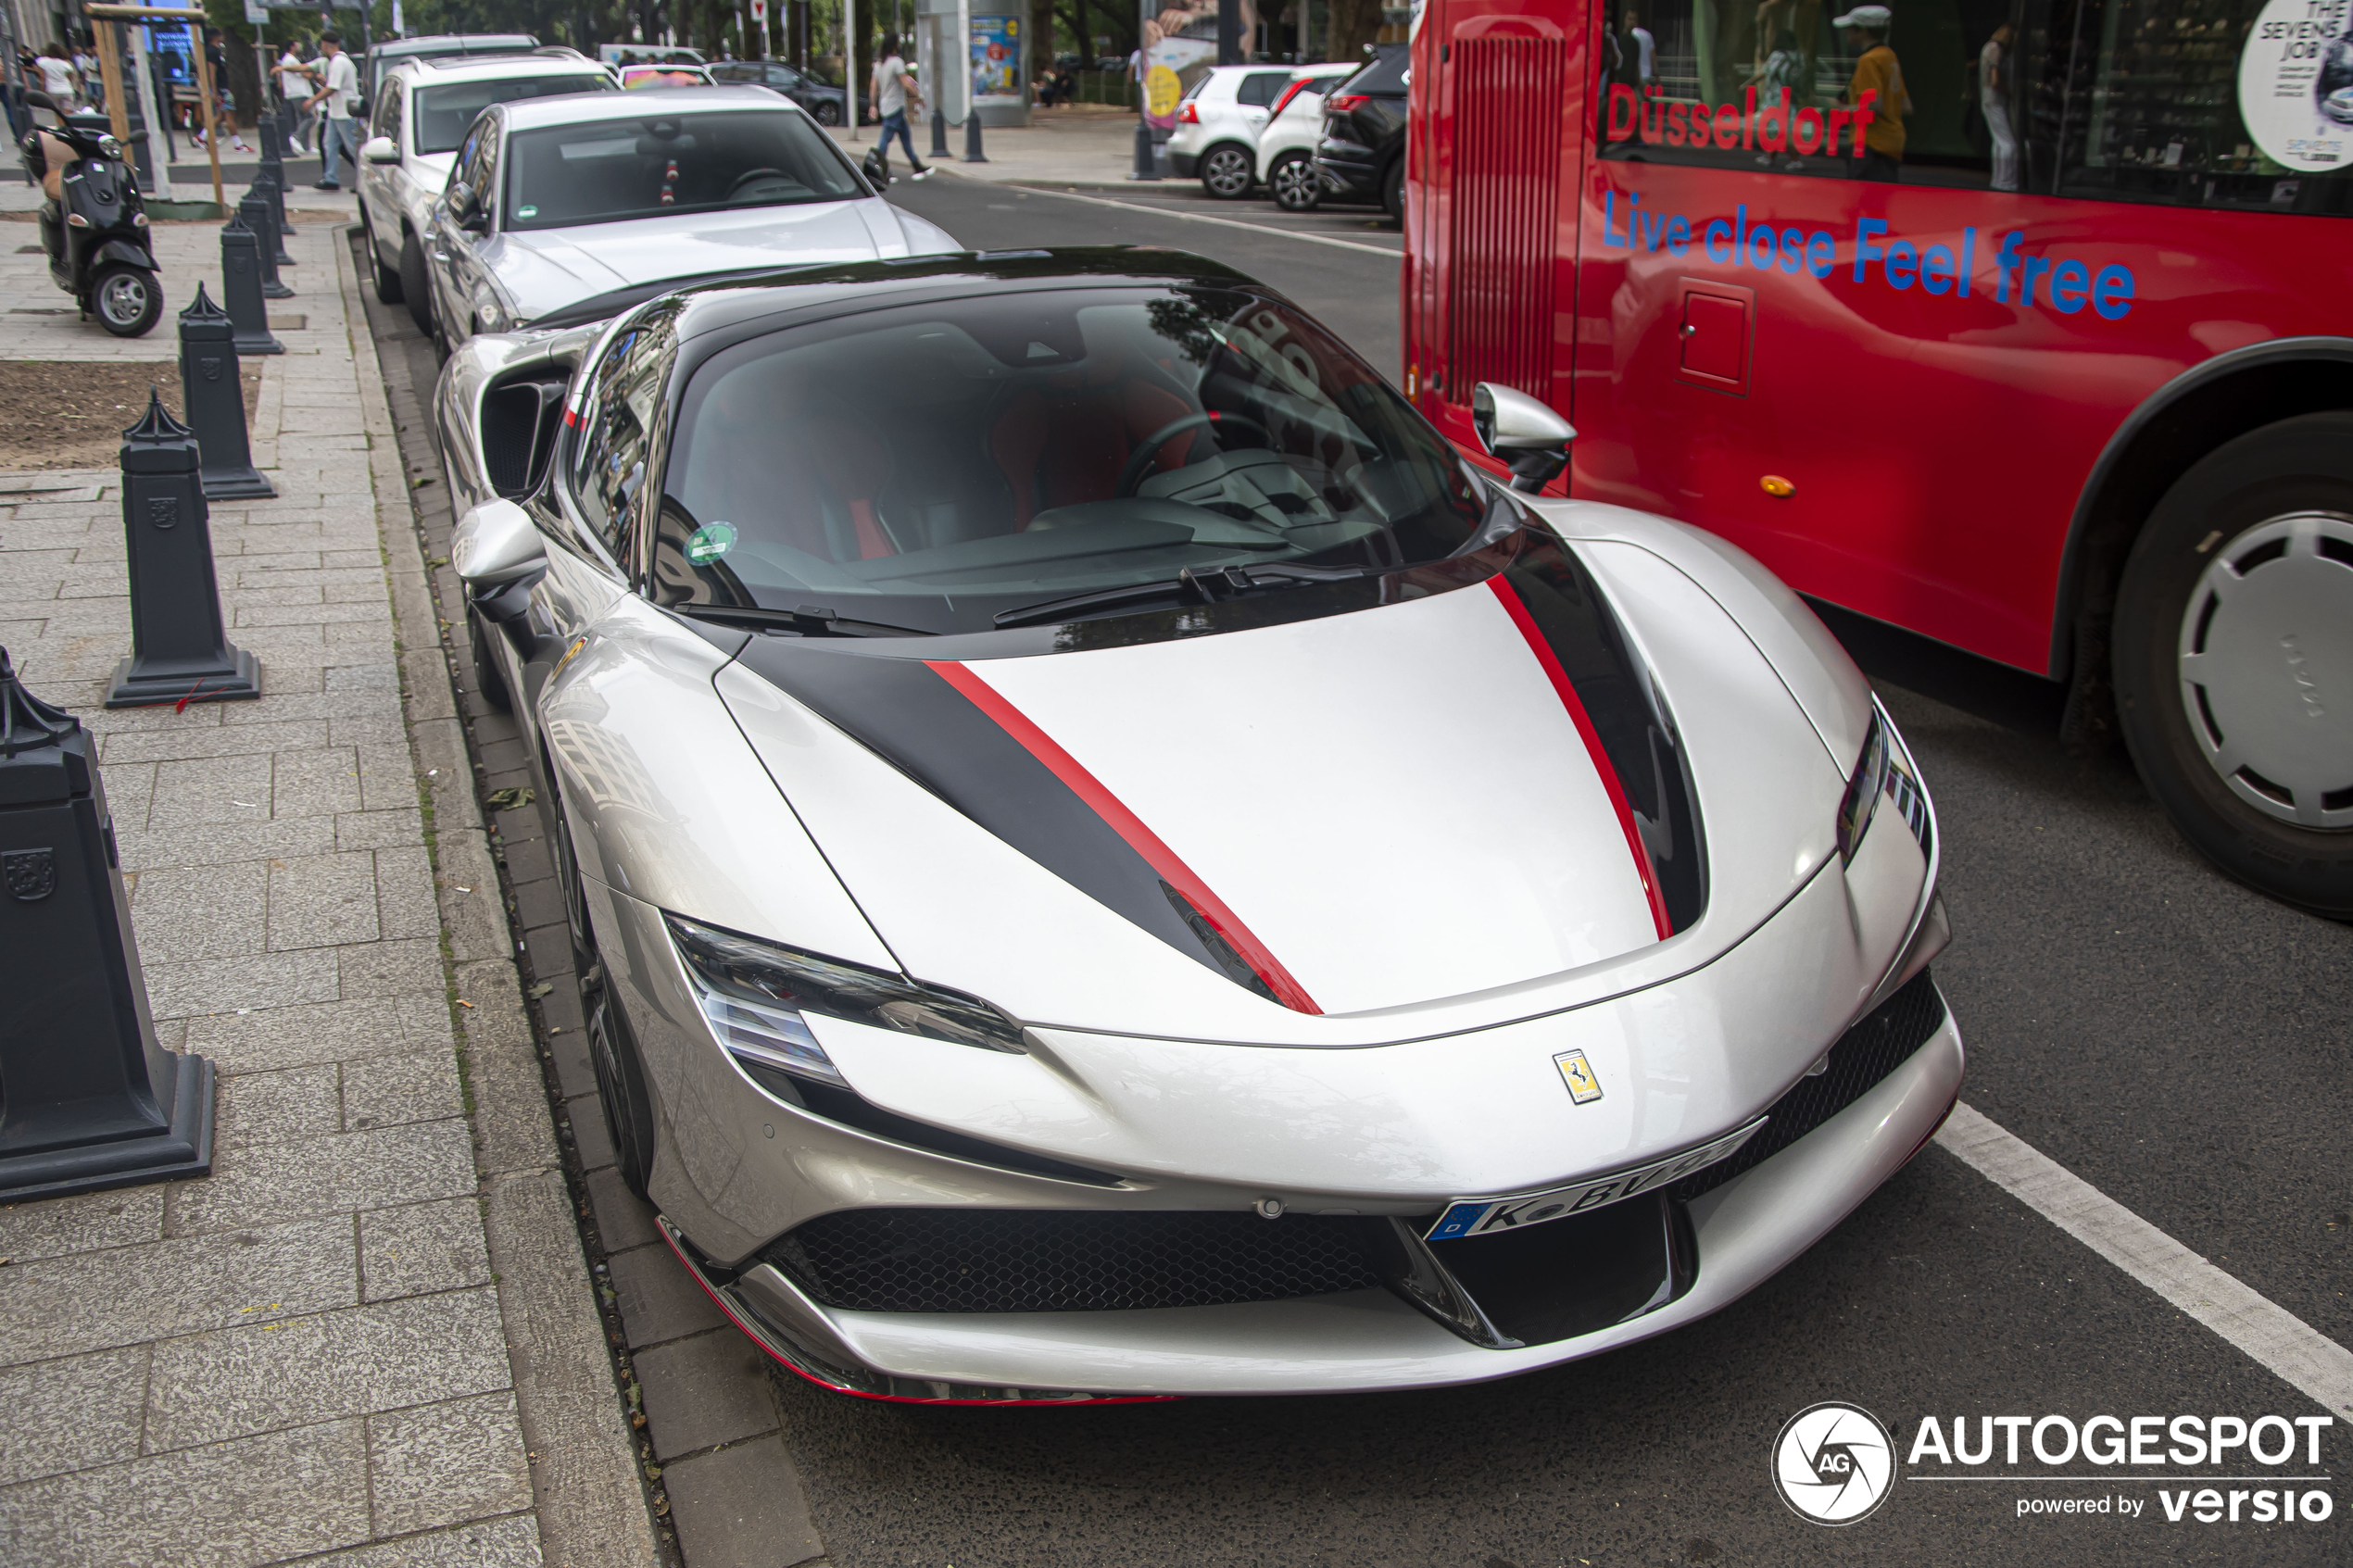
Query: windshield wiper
[[812, 621], [1202, 587]]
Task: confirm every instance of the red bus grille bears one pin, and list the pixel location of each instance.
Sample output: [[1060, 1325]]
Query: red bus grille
[[1508, 94]]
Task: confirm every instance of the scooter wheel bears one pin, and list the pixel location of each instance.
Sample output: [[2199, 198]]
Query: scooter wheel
[[127, 300]]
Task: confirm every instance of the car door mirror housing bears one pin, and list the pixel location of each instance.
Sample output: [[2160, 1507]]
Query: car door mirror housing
[[465, 208], [380, 149], [1522, 432], [495, 544]]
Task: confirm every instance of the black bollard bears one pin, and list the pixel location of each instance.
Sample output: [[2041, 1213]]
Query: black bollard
[[1147, 155], [939, 131], [178, 652], [273, 169], [93, 1101], [240, 281], [971, 137], [253, 210], [215, 400]]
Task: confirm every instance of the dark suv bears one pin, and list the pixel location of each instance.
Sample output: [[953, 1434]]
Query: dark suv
[[822, 99], [1362, 157]]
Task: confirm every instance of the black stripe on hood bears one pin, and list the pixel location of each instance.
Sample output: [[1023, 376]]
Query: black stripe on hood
[[907, 714], [1629, 714]]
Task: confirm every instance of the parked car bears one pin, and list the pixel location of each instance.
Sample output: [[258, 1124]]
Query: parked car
[[1362, 154], [1516, 948], [822, 101], [1217, 125], [618, 55], [558, 199], [424, 110], [381, 58], [1295, 124], [670, 73]]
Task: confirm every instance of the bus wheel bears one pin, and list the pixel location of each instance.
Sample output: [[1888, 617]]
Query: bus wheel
[[2233, 658]]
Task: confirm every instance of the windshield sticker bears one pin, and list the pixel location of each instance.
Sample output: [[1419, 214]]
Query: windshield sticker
[[526, 212], [2295, 83], [710, 541]]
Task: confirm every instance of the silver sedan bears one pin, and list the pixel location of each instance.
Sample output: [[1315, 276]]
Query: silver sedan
[[557, 202]]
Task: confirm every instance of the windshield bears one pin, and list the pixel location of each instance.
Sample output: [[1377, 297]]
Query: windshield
[[443, 114], [653, 166], [949, 467]]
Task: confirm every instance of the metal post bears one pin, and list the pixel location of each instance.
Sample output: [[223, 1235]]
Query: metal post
[[179, 651], [848, 71], [93, 1101], [214, 397], [241, 281], [1229, 33], [1147, 153], [204, 92], [160, 162], [253, 211], [939, 131], [273, 169], [972, 137]]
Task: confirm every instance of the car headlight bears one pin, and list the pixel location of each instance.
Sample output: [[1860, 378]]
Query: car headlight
[[753, 993], [1880, 773]]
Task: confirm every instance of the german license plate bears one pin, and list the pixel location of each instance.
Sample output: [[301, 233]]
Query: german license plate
[[1485, 1216]]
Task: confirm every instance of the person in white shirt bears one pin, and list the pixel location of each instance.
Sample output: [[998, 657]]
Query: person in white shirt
[[85, 65], [342, 85], [295, 84], [59, 78], [895, 92]]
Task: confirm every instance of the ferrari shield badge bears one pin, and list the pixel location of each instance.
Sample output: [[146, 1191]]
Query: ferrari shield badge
[[1583, 1087]]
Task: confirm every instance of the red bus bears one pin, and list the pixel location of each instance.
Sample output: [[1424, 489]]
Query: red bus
[[2017, 323]]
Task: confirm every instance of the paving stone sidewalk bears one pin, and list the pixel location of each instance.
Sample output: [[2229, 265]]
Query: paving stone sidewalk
[[369, 1333]]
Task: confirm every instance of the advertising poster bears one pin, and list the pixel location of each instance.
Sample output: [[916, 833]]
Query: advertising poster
[[996, 60], [2295, 83], [1171, 66]]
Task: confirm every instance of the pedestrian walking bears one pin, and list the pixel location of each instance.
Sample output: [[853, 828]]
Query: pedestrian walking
[[1994, 102], [58, 79], [1879, 74], [894, 91], [296, 82], [85, 65], [341, 80], [224, 109]]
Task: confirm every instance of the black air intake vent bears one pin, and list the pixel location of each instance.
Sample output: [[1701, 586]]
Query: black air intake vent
[[519, 426], [1056, 1260]]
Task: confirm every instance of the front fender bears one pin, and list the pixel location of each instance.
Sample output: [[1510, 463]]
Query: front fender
[[125, 252]]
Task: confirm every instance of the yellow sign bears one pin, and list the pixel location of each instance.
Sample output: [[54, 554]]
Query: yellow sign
[[1160, 92]]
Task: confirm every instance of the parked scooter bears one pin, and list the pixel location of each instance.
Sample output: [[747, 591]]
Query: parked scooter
[[93, 224]]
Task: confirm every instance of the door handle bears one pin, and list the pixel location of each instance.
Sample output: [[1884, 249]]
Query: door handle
[[1687, 330]]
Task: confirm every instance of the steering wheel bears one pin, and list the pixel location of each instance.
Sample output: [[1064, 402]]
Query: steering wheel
[[1141, 458], [748, 175]]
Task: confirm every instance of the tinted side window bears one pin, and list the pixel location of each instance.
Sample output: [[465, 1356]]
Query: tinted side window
[[1386, 74], [388, 112], [1259, 88], [619, 419]]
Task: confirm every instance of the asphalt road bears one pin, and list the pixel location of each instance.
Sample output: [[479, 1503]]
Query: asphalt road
[[2176, 1041]]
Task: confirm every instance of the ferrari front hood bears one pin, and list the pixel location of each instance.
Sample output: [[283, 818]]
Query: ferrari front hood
[[1372, 826]]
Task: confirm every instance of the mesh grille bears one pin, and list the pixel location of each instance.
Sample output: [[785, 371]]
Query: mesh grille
[[1863, 1056], [1033, 1260], [1508, 94]]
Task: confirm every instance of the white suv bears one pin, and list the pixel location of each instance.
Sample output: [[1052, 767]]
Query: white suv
[[422, 110], [1217, 126], [1287, 146]]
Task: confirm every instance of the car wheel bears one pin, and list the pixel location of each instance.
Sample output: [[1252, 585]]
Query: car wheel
[[389, 288], [1296, 185], [414, 286], [1225, 172], [127, 300], [612, 1048], [1392, 192], [827, 114], [2233, 632]]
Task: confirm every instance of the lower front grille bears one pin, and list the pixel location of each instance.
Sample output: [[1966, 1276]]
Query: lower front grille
[[1061, 1261], [1864, 1056]]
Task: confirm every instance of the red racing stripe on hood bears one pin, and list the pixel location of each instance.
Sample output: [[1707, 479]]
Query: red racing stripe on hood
[[1509, 598], [1146, 843]]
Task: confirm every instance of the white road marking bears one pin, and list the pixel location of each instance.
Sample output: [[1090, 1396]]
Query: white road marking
[[2297, 1353], [1222, 223]]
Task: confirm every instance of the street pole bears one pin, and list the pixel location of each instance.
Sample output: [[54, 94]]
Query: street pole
[[849, 70], [160, 163], [1147, 156]]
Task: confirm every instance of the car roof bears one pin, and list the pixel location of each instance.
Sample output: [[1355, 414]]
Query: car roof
[[457, 43], [469, 67], [530, 113], [790, 295]]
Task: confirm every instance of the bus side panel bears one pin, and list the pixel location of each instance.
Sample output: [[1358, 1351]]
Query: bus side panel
[[1499, 89], [1933, 427]]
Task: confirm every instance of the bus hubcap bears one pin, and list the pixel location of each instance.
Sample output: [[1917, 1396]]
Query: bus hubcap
[[2267, 667]]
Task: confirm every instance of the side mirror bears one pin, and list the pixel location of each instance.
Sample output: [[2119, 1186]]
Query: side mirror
[[465, 208], [495, 544], [380, 149], [1526, 434]]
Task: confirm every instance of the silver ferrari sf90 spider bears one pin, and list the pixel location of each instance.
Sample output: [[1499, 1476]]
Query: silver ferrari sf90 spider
[[1106, 858]]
